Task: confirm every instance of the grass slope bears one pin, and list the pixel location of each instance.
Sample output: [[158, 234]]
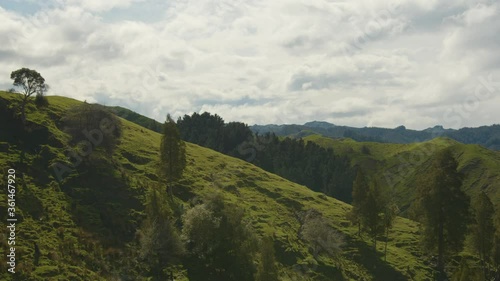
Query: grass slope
[[85, 225], [399, 165]]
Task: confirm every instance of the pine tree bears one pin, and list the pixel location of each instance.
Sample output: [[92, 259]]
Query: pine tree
[[160, 241], [443, 209], [495, 253], [372, 219], [390, 212], [484, 230], [369, 207], [359, 196], [172, 154]]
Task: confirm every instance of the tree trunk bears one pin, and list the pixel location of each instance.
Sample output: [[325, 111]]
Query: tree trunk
[[386, 239], [440, 258], [23, 111], [170, 190]]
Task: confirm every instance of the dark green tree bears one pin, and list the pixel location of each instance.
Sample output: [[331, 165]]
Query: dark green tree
[[31, 82], [370, 208], [202, 129], [360, 190], [390, 213], [160, 241], [220, 244], [495, 254], [483, 231], [93, 124], [210, 131], [235, 134], [373, 218], [172, 154], [443, 209]]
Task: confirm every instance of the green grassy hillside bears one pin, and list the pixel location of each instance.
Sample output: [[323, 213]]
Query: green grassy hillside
[[85, 225], [399, 165]]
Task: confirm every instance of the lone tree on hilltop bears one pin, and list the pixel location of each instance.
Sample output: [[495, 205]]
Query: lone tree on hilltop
[[31, 83], [172, 154]]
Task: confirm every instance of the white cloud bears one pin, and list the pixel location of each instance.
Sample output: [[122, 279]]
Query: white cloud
[[356, 63]]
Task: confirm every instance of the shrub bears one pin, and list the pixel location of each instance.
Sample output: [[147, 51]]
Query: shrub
[[41, 101], [92, 126]]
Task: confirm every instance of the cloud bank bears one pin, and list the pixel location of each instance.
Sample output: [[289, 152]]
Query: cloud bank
[[358, 63]]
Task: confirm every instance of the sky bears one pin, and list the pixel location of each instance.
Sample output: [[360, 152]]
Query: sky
[[375, 63]]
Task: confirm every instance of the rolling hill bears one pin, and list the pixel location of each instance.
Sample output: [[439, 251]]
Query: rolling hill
[[84, 227], [398, 166]]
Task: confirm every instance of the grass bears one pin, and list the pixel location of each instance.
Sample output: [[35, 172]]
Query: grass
[[85, 226], [399, 165]]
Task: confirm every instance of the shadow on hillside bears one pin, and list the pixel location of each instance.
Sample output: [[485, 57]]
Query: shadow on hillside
[[102, 202], [373, 262]]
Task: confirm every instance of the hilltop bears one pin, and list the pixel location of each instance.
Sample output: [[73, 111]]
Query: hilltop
[[85, 225], [398, 166]]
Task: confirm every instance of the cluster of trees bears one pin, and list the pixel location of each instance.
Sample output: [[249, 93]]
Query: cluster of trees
[[302, 162], [211, 239], [488, 136], [211, 131], [372, 209], [220, 244], [158, 237], [445, 212], [305, 163], [92, 123], [442, 207]]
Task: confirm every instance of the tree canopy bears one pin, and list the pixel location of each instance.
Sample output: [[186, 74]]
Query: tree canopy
[[483, 231], [31, 83], [94, 124], [220, 244], [172, 153], [160, 241], [442, 208]]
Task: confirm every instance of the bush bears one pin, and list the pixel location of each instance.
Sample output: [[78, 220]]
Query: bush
[[320, 237], [41, 101], [92, 125], [365, 150], [220, 243]]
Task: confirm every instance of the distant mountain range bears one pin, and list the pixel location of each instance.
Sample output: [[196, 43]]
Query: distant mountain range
[[487, 136]]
